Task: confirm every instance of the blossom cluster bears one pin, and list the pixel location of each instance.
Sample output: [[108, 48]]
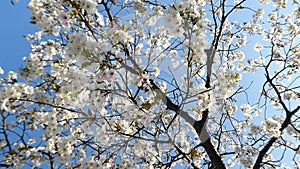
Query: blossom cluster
[[108, 89], [271, 127]]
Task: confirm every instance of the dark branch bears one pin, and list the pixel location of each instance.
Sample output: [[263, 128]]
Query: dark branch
[[213, 155], [263, 152]]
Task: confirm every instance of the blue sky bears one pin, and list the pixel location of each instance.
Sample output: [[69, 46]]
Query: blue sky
[[14, 25]]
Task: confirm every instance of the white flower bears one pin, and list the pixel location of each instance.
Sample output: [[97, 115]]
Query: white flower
[[177, 31], [155, 72], [90, 6], [173, 53], [28, 90], [31, 141], [172, 18], [260, 61], [264, 2], [247, 109], [296, 12], [12, 75], [174, 63], [298, 150], [63, 18], [272, 17], [260, 12], [240, 56], [173, 21], [258, 47], [1, 71], [201, 2], [247, 162], [230, 163], [280, 3], [138, 48], [288, 95], [257, 112], [254, 129], [242, 41], [271, 128], [106, 76]]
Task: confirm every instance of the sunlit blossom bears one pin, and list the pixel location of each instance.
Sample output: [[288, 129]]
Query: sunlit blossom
[[131, 84]]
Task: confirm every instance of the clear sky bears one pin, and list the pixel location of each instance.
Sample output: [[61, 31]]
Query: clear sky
[[14, 25]]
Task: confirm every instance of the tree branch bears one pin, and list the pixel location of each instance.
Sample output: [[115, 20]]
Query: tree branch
[[213, 155], [263, 152], [199, 126]]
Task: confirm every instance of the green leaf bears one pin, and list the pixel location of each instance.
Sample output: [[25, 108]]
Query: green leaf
[[55, 86], [86, 64], [146, 105]]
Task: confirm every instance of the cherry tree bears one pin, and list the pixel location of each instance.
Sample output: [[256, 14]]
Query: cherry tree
[[155, 84]]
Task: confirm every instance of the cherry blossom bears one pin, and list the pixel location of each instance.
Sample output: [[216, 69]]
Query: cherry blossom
[[150, 84]]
